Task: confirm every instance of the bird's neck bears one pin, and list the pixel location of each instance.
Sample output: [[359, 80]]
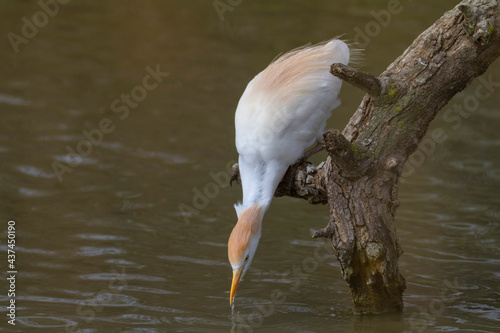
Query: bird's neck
[[257, 208], [259, 180], [251, 218]]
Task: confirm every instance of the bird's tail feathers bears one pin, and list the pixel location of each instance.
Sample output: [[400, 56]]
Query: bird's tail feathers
[[356, 54]]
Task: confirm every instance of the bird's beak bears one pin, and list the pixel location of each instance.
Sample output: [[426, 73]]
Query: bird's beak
[[236, 279]]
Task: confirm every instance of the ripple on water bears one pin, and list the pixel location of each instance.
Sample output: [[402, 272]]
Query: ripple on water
[[34, 171], [143, 330], [482, 310], [82, 160], [474, 208], [102, 237], [472, 165], [122, 262], [45, 299], [34, 193], [38, 251], [418, 196], [494, 213], [128, 194], [192, 260], [291, 308], [13, 100], [494, 174], [59, 138], [45, 321], [154, 291], [213, 244], [307, 243], [462, 226], [191, 320], [165, 157], [112, 299], [411, 215], [161, 309], [423, 180], [51, 265], [134, 318], [91, 251], [113, 145], [113, 276]]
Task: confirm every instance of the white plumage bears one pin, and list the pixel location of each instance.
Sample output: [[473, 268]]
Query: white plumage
[[282, 111]]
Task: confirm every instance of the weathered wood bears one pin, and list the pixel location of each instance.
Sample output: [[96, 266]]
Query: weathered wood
[[306, 181], [364, 81]]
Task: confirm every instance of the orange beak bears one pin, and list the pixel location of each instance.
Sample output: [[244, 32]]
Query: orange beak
[[236, 279]]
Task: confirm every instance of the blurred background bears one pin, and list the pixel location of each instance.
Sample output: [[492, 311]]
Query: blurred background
[[129, 234]]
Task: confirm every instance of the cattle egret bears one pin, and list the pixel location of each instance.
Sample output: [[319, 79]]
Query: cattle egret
[[282, 111]]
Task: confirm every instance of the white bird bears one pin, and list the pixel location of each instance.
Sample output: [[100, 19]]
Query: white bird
[[282, 111]]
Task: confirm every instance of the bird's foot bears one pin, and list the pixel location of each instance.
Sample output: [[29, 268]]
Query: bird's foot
[[235, 177]]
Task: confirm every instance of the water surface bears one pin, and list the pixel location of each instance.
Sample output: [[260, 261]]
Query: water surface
[[122, 241]]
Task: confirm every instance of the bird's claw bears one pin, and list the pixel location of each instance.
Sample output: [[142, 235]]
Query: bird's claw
[[235, 177]]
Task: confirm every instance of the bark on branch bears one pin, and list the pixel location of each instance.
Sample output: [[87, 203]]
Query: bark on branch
[[364, 81], [346, 156], [306, 181]]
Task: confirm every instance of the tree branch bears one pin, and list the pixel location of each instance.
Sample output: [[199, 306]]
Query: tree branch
[[305, 181], [364, 81], [352, 163], [361, 174]]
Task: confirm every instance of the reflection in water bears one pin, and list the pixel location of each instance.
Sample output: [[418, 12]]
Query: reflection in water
[[108, 250]]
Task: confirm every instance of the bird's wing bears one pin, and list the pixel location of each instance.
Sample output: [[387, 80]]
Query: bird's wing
[[285, 107]]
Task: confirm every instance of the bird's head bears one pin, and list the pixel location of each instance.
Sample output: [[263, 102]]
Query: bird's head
[[243, 243]]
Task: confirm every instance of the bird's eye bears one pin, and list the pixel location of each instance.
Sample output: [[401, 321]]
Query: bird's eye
[[246, 259]]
